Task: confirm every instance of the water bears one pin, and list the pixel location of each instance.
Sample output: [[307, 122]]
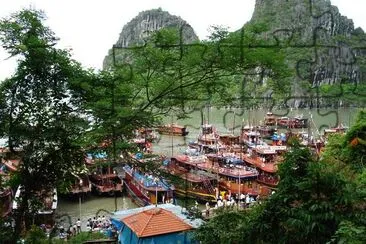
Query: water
[[70, 209], [224, 120], [231, 120]]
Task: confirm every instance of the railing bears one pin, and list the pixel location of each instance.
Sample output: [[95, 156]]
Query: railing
[[268, 179], [138, 200], [146, 181]]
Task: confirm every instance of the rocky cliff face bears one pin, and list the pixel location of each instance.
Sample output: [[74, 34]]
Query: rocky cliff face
[[145, 23], [324, 45]]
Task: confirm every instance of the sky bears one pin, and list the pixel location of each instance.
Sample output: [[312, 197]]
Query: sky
[[91, 27]]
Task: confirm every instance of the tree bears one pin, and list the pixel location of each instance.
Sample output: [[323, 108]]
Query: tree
[[38, 111]]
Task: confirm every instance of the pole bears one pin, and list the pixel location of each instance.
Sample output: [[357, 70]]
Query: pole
[[80, 205], [156, 196], [156, 192], [80, 194], [171, 135], [115, 201]]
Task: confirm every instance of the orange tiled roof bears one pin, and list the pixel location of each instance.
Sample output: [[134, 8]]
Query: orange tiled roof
[[156, 221]]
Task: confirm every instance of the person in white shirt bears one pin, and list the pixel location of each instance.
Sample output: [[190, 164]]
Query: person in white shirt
[[78, 226]]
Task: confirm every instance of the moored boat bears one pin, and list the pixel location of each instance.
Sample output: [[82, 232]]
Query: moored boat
[[81, 184], [265, 159], [106, 182], [46, 213], [195, 184], [270, 119], [173, 129], [146, 189]]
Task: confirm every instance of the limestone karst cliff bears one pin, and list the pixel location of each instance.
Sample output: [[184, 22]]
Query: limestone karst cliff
[[322, 45], [146, 22]]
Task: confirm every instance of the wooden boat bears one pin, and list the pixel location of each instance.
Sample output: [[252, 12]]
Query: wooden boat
[[265, 159], [340, 129], [149, 134], [208, 141], [251, 137], [81, 184], [232, 178], [234, 175], [11, 164], [295, 122], [105, 181], [5, 201], [173, 129], [197, 185], [266, 131], [145, 189], [270, 119], [46, 214]]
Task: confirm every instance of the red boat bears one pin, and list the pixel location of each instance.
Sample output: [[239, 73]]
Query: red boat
[[81, 184], [197, 185], [145, 189], [234, 178], [106, 182], [173, 129], [270, 119], [265, 159], [295, 122]]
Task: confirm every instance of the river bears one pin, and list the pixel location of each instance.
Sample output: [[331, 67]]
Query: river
[[224, 120]]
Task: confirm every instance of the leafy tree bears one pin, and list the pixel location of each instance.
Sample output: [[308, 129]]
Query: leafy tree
[[38, 111]]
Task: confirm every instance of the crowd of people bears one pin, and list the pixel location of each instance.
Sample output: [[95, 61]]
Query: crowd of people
[[95, 224]]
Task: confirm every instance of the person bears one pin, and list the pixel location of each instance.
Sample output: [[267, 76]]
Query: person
[[78, 226], [61, 227], [88, 227], [247, 200], [207, 209]]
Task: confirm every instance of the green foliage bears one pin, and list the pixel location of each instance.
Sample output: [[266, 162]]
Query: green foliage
[[36, 236], [38, 110], [225, 227], [349, 232], [82, 237], [6, 230]]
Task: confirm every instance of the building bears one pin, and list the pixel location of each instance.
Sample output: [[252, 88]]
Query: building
[[163, 224]]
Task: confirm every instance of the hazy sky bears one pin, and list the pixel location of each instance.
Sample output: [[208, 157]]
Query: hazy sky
[[91, 27]]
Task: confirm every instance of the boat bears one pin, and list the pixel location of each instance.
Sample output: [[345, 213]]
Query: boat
[[234, 175], [195, 184], [11, 165], [294, 122], [173, 129], [81, 184], [265, 159], [46, 214], [266, 131], [149, 134], [340, 129], [251, 137], [270, 119], [106, 181], [103, 179], [208, 140], [234, 179], [145, 189]]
